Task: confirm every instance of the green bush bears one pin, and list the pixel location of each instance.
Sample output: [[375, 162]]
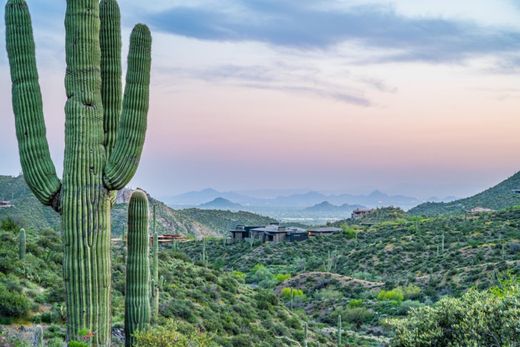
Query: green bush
[[476, 319], [357, 316], [12, 304], [282, 277], [395, 294], [169, 335], [289, 293]]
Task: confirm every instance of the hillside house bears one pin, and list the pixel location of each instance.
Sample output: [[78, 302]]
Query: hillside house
[[478, 210], [361, 212], [242, 232], [323, 231], [270, 233], [5, 204]]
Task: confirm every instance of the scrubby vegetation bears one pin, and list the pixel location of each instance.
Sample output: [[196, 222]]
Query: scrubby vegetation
[[485, 318], [205, 302], [387, 270]]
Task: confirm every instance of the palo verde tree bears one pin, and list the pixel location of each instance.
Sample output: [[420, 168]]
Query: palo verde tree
[[104, 136]]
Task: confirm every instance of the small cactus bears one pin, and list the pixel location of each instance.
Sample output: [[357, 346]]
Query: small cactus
[[38, 336], [305, 335], [22, 244], [204, 256], [339, 331]]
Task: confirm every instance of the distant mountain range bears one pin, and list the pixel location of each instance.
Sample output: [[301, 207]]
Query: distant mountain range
[[327, 207], [501, 196], [295, 200], [28, 212], [221, 204]]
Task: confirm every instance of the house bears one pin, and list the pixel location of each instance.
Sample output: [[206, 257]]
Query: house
[[5, 204], [270, 233], [478, 210], [323, 231], [242, 232], [297, 234], [361, 212]]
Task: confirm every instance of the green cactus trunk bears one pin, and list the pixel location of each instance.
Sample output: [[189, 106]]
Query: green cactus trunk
[[103, 143], [137, 299], [155, 272], [22, 244]]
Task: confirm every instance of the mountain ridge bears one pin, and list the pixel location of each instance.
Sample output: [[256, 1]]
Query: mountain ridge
[[498, 197]]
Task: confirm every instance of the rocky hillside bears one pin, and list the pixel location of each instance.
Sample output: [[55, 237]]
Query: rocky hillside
[[501, 196]]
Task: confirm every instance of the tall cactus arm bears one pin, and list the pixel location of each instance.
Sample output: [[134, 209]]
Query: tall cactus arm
[[125, 157], [111, 89], [37, 166]]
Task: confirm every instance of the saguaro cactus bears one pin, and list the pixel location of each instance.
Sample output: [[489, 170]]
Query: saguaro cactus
[[104, 136], [155, 272], [137, 299], [22, 244], [340, 331]]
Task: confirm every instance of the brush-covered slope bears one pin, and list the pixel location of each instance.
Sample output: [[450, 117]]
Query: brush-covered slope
[[223, 221], [501, 196], [26, 209], [407, 250], [384, 272], [219, 303]]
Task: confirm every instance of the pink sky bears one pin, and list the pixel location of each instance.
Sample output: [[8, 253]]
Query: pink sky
[[247, 114]]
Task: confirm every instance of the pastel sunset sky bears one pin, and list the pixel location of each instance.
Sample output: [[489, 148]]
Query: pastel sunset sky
[[412, 97]]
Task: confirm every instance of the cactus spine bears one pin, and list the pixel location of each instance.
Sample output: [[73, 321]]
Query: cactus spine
[[22, 244], [137, 299], [103, 142], [155, 272]]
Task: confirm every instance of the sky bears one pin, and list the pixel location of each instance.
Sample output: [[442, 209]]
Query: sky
[[412, 97]]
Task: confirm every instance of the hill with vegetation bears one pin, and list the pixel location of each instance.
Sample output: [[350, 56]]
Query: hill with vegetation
[[501, 196], [195, 296], [372, 273], [28, 212]]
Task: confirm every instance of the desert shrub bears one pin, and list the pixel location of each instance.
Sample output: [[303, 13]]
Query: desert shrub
[[357, 316], [488, 318], [281, 277], [355, 303], [395, 294], [12, 304], [55, 342], [411, 292], [169, 335], [329, 294], [8, 224], [289, 293], [349, 231]]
